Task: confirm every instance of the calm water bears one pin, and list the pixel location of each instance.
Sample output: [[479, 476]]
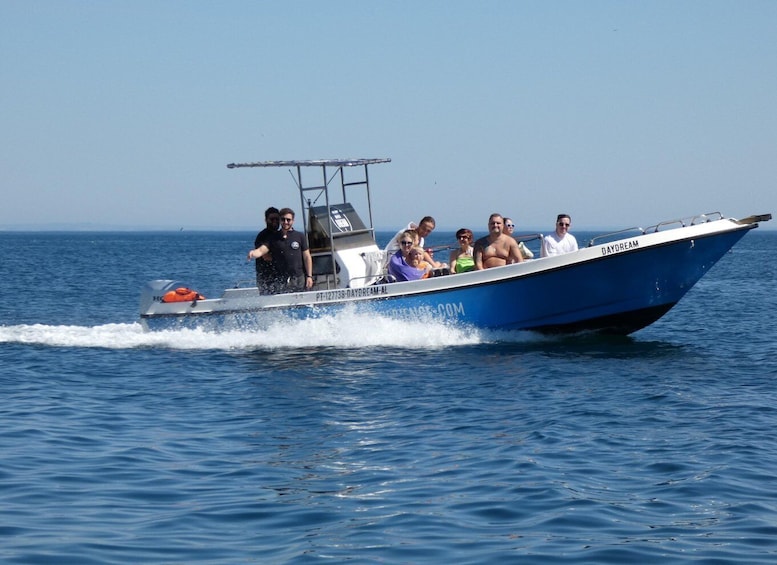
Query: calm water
[[367, 440]]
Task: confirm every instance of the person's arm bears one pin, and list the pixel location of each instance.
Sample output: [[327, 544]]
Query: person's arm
[[258, 252], [452, 260], [435, 264], [478, 256], [515, 252], [307, 259]]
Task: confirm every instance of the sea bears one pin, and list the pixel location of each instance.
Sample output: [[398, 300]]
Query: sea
[[369, 439]]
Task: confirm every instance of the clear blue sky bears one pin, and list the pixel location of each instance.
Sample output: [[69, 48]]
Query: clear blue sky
[[125, 113]]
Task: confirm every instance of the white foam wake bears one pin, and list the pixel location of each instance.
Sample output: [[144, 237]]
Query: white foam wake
[[346, 330]]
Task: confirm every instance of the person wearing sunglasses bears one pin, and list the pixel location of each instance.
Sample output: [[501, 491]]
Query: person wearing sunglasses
[[560, 241], [463, 259], [291, 255], [510, 230], [399, 265], [266, 276]]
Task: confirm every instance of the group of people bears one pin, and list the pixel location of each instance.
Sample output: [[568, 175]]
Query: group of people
[[283, 260], [409, 261]]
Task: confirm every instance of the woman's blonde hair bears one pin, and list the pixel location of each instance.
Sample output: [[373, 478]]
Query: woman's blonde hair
[[412, 234]]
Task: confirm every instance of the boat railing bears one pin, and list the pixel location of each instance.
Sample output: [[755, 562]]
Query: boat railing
[[708, 217], [523, 238], [612, 236], [667, 224], [684, 222]]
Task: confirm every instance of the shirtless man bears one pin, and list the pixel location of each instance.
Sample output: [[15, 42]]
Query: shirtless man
[[497, 248]]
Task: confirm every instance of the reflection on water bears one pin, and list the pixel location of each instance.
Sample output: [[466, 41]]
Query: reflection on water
[[378, 440]]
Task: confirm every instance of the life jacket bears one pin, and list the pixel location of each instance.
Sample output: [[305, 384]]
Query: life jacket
[[182, 294]]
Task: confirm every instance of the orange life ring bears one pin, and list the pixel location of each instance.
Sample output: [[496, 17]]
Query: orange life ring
[[182, 294]]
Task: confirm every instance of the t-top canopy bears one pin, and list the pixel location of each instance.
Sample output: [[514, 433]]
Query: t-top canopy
[[311, 163]]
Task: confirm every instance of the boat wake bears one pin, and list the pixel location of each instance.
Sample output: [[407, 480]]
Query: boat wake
[[343, 330]]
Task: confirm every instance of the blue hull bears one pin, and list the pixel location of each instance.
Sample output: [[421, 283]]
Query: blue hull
[[606, 289], [616, 294]]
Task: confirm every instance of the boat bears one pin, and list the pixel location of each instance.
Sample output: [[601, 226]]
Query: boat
[[618, 283]]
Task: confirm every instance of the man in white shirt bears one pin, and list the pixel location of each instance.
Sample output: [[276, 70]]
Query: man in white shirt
[[561, 241]]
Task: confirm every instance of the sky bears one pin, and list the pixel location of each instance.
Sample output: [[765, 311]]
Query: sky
[[123, 114]]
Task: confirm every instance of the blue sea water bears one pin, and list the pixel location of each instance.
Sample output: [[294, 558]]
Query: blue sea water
[[371, 440]]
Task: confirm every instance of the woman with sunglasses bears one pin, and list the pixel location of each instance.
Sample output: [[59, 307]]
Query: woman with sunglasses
[[399, 268], [510, 230], [561, 241], [463, 259]]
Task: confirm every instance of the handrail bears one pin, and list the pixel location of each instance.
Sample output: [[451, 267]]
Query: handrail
[[377, 278], [527, 236], [664, 224], [683, 222], [615, 233]]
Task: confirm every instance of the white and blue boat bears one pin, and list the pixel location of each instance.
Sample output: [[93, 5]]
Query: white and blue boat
[[617, 284]]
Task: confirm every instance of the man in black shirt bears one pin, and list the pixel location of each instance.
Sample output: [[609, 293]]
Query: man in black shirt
[[290, 254], [266, 273]]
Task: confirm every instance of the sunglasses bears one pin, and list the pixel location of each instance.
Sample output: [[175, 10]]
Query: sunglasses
[[509, 225], [463, 237], [287, 219], [406, 243]]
